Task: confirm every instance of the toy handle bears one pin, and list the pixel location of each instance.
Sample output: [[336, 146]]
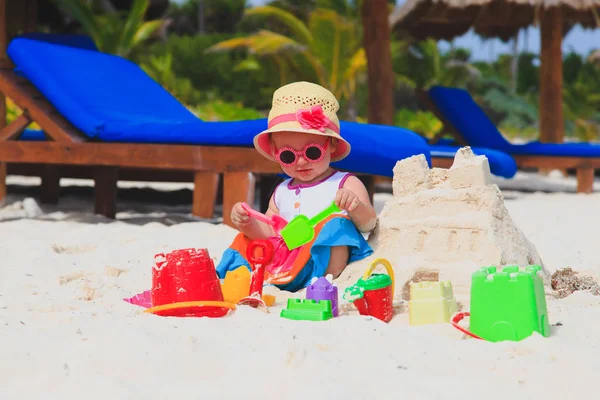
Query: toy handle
[[257, 215], [332, 209], [457, 318], [387, 266], [267, 252]]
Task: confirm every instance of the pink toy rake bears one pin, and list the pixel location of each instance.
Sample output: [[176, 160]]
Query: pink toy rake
[[276, 221]]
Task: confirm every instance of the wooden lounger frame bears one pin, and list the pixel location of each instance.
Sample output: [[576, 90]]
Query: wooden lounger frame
[[67, 146], [584, 166]]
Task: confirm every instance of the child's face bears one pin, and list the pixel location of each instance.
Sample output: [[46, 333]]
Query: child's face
[[304, 169]]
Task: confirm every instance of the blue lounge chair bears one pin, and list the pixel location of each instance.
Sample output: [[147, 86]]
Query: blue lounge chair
[[442, 154], [471, 126], [102, 110]]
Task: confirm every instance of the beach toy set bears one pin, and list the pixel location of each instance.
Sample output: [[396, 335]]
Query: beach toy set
[[321, 302], [372, 295], [506, 304], [185, 284]]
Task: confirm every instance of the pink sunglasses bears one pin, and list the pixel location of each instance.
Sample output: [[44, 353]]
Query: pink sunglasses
[[312, 152]]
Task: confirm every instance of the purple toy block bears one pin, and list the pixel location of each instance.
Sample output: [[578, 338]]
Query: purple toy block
[[323, 289]]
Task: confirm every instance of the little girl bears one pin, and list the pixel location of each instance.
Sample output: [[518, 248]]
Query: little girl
[[303, 136]]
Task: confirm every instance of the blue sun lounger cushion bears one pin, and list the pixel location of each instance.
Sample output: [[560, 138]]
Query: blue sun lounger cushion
[[109, 98], [458, 107]]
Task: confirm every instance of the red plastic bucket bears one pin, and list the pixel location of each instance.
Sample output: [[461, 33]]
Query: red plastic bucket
[[377, 303], [373, 294], [184, 276]]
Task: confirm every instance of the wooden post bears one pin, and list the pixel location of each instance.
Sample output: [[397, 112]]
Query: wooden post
[[585, 179], [205, 194], [380, 74], [551, 77], [3, 58], [50, 188], [105, 191], [237, 186], [2, 182], [31, 12], [267, 185]]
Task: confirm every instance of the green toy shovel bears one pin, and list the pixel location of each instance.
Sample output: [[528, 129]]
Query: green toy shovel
[[301, 230]]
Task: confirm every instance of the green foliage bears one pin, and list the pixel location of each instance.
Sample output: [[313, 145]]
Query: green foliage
[[219, 110], [216, 76], [327, 50], [422, 122], [161, 69], [220, 16], [581, 98], [420, 65], [117, 33], [518, 112]]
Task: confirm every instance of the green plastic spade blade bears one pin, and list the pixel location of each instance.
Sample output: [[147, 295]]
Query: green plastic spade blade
[[301, 230], [297, 232]]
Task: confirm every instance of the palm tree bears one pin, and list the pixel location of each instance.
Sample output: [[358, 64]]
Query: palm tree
[[327, 49], [110, 31]]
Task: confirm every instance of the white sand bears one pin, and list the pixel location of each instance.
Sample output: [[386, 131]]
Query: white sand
[[65, 332]]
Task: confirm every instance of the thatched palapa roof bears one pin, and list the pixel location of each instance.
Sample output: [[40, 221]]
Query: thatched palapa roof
[[446, 19]]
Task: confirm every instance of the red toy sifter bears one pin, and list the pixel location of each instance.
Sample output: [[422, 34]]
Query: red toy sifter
[[259, 253]]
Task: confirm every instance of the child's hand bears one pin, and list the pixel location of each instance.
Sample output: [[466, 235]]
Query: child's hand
[[239, 216], [346, 200]]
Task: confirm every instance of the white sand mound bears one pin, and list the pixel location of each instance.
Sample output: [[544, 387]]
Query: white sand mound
[[444, 224]]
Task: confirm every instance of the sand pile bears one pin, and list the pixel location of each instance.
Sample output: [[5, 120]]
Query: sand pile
[[443, 224]]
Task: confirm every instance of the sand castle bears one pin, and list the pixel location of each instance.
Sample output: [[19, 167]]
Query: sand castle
[[444, 224]]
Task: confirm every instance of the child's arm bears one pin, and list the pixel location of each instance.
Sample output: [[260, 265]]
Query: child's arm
[[251, 227], [354, 198]]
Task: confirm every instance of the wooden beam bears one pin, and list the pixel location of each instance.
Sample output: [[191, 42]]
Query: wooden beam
[[205, 194], [549, 162], [237, 186], [551, 77], [14, 129], [87, 172], [151, 156], [31, 101], [441, 162]]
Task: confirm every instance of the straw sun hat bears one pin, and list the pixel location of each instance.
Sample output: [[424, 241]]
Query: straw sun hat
[[307, 108]]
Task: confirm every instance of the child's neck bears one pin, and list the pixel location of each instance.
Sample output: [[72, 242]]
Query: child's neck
[[319, 178]]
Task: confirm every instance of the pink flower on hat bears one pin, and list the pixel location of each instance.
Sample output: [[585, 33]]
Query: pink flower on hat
[[313, 118]]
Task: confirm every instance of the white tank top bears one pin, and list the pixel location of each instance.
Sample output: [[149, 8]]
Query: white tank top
[[293, 200]]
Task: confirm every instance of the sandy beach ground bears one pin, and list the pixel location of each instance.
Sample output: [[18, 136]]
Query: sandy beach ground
[[66, 333]]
